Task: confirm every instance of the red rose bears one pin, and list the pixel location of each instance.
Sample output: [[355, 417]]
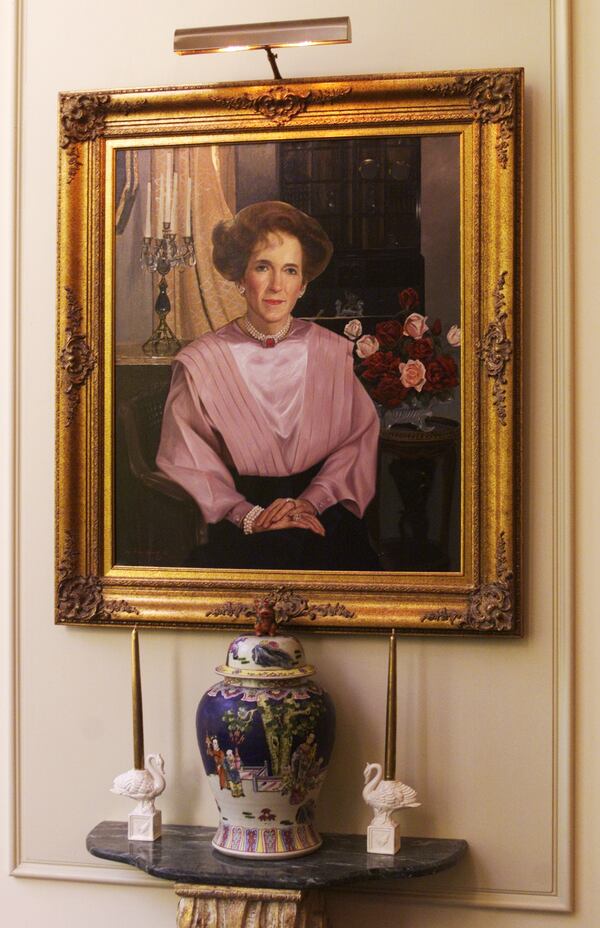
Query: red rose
[[388, 333], [378, 364], [441, 374], [409, 299], [436, 328], [389, 391], [420, 349]]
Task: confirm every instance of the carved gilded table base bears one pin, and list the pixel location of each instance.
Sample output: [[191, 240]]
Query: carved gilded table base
[[241, 907]]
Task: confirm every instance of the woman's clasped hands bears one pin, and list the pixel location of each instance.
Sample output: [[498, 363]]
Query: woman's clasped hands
[[288, 513]]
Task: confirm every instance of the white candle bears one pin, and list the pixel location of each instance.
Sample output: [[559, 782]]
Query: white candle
[[157, 212], [188, 209], [169, 181], [174, 205], [148, 227], [161, 206]]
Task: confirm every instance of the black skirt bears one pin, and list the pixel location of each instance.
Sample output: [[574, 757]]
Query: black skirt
[[345, 545]]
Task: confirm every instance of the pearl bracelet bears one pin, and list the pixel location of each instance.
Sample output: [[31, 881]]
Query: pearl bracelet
[[250, 518]]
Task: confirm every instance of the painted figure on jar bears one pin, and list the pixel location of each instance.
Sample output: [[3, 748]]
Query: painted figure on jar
[[231, 766], [302, 768], [218, 756]]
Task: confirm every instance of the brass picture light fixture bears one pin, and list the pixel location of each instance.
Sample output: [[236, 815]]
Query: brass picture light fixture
[[334, 30]]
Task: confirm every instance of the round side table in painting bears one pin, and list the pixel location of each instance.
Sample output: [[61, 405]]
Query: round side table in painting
[[415, 519]]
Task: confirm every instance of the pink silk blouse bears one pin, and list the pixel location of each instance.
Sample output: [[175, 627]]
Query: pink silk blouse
[[270, 412]]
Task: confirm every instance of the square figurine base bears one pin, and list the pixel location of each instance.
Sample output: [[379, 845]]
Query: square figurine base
[[144, 826], [383, 839]]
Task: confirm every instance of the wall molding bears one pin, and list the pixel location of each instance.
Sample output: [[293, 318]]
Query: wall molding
[[95, 873], [560, 897], [563, 472], [10, 190]]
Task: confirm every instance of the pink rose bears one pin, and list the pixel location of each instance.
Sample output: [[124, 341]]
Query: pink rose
[[415, 325], [412, 374], [366, 346], [453, 336], [353, 329]]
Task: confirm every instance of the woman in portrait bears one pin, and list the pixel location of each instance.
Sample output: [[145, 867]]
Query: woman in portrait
[[266, 425]]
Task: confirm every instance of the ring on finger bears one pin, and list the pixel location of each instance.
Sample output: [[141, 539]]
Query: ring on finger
[[296, 517]]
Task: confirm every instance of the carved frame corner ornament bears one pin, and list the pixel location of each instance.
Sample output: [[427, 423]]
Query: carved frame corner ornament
[[492, 97], [76, 358], [285, 605], [82, 119], [279, 104], [81, 598], [496, 349], [490, 606]]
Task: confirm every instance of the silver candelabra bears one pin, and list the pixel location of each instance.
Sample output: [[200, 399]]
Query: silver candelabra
[[161, 255]]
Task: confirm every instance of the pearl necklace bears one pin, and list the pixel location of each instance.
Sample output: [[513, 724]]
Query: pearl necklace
[[267, 341]]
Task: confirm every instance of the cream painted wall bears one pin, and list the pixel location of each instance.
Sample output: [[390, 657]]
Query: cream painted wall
[[477, 720]]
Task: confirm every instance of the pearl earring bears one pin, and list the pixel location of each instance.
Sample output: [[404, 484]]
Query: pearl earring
[[241, 289]]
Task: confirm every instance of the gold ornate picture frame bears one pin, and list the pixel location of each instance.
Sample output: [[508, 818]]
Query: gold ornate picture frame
[[473, 591]]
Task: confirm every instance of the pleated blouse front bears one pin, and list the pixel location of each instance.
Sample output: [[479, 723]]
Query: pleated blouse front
[[268, 412]]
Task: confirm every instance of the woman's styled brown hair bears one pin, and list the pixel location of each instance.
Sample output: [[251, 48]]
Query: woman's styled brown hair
[[235, 240]]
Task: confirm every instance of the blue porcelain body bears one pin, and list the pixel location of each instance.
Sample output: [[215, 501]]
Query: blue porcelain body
[[266, 734]]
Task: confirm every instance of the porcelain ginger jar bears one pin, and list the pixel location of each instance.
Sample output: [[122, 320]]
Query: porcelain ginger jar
[[265, 733]]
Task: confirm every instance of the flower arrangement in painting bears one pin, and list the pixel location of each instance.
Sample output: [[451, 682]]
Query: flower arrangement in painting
[[407, 360]]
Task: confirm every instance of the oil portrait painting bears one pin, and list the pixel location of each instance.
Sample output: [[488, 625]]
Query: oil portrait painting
[[289, 353], [300, 408]]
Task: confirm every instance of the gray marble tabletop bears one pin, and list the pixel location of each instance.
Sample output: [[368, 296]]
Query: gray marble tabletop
[[185, 854]]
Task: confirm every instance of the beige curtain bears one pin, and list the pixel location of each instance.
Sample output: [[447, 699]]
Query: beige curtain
[[201, 299], [134, 318]]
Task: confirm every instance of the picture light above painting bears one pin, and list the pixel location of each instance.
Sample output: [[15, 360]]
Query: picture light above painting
[[288, 353]]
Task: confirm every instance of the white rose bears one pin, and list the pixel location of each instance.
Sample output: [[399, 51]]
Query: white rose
[[415, 325], [366, 346], [353, 329], [454, 335]]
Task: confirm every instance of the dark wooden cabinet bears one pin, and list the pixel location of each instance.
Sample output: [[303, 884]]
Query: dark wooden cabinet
[[366, 194]]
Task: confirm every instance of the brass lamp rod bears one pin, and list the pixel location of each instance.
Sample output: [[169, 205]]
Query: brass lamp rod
[[273, 62]]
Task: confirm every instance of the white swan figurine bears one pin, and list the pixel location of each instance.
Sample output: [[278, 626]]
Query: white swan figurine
[[386, 796], [142, 785]]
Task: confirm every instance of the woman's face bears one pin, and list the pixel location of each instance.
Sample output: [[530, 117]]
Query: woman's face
[[273, 281]]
